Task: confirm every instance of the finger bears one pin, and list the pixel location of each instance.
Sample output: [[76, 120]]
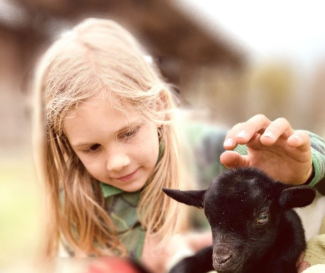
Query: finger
[[276, 129], [299, 139], [300, 259], [233, 160], [256, 124], [302, 267], [301, 264], [230, 142], [243, 132]]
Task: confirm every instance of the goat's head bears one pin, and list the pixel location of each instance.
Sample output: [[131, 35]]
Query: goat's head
[[243, 207]]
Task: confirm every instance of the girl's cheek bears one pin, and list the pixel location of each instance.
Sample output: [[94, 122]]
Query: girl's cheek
[[90, 163]]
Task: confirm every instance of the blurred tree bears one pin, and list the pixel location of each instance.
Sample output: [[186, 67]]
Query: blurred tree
[[272, 88], [316, 98], [219, 90]]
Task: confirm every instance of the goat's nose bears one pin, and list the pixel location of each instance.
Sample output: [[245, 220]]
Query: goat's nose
[[222, 259], [226, 259]]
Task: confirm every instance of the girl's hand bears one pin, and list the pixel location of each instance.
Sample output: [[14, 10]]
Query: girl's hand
[[274, 147], [301, 264], [159, 259]]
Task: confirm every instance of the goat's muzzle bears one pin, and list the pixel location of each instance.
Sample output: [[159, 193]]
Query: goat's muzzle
[[225, 259]]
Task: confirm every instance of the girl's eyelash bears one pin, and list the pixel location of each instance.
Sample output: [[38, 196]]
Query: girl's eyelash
[[124, 136], [92, 148], [129, 134]]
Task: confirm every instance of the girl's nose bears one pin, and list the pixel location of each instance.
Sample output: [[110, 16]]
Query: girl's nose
[[117, 161]]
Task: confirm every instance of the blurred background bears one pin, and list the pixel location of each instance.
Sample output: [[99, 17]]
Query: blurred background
[[230, 60]]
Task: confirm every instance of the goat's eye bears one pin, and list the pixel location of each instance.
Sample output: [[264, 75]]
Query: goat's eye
[[263, 218]]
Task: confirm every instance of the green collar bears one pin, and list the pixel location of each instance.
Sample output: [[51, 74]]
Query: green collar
[[109, 190]]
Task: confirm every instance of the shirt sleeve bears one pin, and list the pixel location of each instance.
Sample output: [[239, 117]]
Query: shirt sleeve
[[205, 143], [318, 157]]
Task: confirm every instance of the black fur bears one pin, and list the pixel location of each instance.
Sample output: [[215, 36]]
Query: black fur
[[253, 225]]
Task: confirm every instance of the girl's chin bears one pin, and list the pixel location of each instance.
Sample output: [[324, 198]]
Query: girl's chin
[[128, 187], [132, 187]]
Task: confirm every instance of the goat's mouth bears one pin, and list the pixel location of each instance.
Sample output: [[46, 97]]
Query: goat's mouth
[[234, 267], [227, 270]]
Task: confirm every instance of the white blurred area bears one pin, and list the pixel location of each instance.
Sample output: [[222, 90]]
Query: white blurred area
[[284, 45], [292, 30]]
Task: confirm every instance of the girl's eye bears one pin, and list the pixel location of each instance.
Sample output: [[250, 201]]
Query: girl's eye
[[263, 218], [92, 148], [128, 134]]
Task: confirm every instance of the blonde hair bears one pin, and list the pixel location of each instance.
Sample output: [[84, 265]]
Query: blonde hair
[[99, 56]]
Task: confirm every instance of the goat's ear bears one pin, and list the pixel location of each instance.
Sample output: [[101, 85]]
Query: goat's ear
[[297, 196], [191, 198]]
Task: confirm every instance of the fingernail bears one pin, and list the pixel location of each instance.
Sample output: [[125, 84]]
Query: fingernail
[[242, 134], [296, 139], [269, 135], [228, 142]]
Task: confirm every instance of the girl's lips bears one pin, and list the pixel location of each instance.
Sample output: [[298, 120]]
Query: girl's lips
[[127, 177]]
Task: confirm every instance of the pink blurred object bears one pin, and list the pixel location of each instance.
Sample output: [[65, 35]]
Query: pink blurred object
[[115, 265]]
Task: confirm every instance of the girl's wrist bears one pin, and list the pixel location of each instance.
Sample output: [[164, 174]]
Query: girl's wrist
[[311, 175]]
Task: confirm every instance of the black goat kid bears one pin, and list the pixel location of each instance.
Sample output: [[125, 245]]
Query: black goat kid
[[253, 225]]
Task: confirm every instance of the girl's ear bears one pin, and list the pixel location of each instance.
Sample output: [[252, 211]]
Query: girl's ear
[[297, 196], [160, 106], [191, 198]]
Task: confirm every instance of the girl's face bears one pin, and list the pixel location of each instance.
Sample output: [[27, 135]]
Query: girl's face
[[117, 148]]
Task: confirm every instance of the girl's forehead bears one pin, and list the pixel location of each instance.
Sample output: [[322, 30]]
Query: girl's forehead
[[95, 118], [95, 114], [105, 104]]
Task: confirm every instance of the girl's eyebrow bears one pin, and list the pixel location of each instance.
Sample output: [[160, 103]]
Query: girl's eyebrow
[[81, 145], [132, 124]]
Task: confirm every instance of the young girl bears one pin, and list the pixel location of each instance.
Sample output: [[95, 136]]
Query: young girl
[[111, 144]]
